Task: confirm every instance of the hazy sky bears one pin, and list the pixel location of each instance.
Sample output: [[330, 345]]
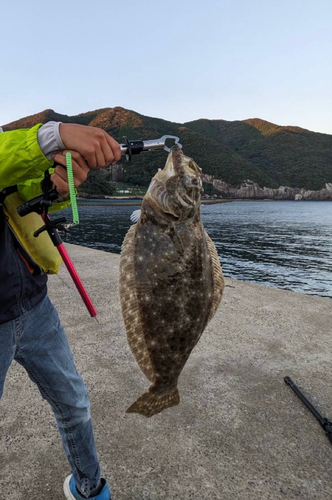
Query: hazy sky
[[177, 60]]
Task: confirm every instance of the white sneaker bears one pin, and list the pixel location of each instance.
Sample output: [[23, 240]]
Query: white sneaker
[[71, 493]]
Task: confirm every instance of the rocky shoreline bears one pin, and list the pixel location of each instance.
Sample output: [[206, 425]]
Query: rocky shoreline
[[251, 190]]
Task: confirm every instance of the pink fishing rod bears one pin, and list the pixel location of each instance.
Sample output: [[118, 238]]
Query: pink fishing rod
[[77, 280], [50, 227]]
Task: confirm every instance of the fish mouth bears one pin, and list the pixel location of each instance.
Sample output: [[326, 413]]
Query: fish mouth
[[171, 217], [185, 206], [179, 209], [189, 202], [189, 197]]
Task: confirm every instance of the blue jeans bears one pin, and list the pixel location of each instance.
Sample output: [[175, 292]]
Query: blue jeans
[[37, 341]]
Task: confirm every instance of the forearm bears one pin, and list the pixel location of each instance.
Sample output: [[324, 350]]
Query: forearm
[[50, 143], [26, 154]]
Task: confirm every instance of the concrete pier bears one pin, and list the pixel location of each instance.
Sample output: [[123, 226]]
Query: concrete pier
[[239, 432]]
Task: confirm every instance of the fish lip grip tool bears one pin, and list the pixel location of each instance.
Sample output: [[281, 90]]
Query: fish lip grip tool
[[136, 147]]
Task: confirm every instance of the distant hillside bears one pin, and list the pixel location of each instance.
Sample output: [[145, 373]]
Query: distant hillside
[[254, 149], [288, 156]]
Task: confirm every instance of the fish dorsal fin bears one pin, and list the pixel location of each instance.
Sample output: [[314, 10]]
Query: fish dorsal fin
[[218, 278], [130, 306], [135, 216]]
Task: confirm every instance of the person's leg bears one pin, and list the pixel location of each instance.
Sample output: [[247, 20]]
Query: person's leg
[[44, 352], [8, 333]]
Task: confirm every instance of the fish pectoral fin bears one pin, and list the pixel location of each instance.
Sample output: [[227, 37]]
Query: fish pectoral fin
[[135, 216], [149, 404]]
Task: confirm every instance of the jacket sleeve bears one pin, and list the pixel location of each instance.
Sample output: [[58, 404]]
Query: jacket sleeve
[[23, 163], [21, 157]]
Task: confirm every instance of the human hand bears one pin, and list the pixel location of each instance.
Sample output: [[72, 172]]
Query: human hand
[[59, 177], [97, 147]]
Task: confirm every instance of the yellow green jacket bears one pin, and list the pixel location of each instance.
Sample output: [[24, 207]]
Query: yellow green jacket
[[23, 163]]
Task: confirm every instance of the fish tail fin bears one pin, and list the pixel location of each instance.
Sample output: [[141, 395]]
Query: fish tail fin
[[149, 404]]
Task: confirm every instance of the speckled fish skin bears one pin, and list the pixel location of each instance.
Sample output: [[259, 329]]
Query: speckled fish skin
[[171, 281]]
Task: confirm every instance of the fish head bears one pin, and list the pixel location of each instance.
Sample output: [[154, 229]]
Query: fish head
[[175, 191]]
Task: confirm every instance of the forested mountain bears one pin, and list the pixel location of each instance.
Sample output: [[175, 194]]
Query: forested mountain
[[233, 151], [288, 156]]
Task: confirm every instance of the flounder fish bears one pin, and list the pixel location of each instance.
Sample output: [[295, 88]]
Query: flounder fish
[[171, 280]]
